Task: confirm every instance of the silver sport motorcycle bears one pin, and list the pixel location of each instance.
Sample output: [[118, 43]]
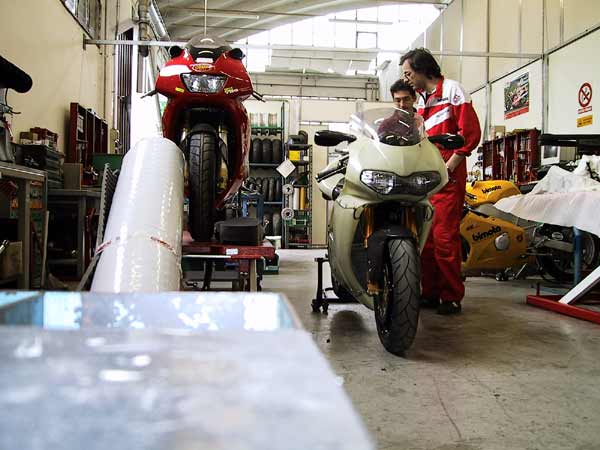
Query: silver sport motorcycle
[[381, 214]]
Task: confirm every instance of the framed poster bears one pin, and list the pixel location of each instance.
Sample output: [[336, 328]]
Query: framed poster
[[516, 96]]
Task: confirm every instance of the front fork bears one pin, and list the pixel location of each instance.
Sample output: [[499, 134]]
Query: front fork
[[375, 241]]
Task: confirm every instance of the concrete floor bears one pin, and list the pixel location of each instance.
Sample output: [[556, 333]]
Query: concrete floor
[[503, 375]]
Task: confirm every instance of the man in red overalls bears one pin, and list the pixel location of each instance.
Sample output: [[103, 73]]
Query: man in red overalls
[[446, 108]]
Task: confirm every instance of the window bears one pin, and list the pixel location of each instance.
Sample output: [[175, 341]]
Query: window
[[391, 28], [87, 13], [366, 40]]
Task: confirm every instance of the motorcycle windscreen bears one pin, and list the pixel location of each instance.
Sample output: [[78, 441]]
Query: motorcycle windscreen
[[389, 125], [205, 47]]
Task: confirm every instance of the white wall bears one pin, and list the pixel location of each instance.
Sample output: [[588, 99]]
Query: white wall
[[479, 104], [569, 68], [531, 119]]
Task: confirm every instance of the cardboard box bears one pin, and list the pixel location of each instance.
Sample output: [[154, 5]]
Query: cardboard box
[[11, 261], [72, 175], [27, 138]]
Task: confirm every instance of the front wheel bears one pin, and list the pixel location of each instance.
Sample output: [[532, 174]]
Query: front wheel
[[203, 184], [397, 306]]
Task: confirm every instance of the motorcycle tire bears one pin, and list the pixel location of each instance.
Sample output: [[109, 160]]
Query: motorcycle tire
[[271, 190], [276, 224], [202, 182], [340, 291], [277, 151], [268, 223], [256, 151], [559, 265], [278, 189], [397, 306], [267, 151], [304, 135], [264, 189]]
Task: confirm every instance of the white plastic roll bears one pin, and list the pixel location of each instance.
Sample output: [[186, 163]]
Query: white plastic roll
[[296, 199], [142, 242]]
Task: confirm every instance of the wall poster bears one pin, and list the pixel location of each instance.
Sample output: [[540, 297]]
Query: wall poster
[[516, 96]]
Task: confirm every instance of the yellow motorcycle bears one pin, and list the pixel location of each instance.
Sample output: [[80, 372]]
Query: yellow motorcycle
[[495, 241]]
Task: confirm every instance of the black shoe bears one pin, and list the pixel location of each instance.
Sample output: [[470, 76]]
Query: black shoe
[[448, 308], [430, 303]]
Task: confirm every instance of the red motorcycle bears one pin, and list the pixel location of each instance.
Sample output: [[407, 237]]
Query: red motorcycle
[[206, 84]]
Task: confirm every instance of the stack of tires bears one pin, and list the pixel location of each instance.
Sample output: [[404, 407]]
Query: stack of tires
[[266, 151], [269, 187]]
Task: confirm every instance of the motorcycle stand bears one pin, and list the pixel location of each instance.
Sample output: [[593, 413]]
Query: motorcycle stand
[[507, 274], [322, 301]]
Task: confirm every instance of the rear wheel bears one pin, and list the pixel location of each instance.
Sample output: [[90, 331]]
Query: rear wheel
[[202, 181], [559, 265], [397, 306]]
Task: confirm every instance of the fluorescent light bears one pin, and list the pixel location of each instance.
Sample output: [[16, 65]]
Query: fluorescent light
[[227, 15], [361, 22]]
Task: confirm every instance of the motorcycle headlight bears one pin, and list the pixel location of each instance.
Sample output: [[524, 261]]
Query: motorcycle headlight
[[381, 182], [418, 184], [203, 83]]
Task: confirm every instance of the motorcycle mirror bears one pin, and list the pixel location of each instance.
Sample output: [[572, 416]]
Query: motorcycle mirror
[[236, 53], [175, 51], [328, 138], [150, 94], [448, 141]]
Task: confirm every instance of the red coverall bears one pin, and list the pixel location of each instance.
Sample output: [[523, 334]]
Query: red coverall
[[447, 110]]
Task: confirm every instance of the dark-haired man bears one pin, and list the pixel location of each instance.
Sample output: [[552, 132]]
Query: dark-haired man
[[446, 108], [403, 127], [403, 95]]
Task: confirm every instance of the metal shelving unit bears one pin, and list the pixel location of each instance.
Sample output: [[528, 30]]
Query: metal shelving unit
[[267, 170], [298, 230]]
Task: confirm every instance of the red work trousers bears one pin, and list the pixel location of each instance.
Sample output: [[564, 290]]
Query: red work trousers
[[442, 256]]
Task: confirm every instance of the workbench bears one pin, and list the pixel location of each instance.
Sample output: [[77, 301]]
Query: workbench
[[23, 176], [81, 200], [169, 371]]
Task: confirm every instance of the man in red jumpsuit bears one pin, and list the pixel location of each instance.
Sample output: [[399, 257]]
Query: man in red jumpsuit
[[446, 108]]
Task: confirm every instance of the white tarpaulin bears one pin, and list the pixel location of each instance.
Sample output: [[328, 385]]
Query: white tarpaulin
[[570, 199], [142, 243]]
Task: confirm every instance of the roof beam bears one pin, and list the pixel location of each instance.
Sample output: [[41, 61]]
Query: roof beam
[[276, 13], [325, 49]]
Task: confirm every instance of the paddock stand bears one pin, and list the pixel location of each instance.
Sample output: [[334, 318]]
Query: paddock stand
[[322, 301]]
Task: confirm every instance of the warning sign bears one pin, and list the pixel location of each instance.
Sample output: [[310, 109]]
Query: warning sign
[[584, 121], [585, 98]]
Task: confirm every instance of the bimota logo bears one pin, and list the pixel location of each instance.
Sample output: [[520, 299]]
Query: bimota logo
[[486, 234], [492, 189]]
